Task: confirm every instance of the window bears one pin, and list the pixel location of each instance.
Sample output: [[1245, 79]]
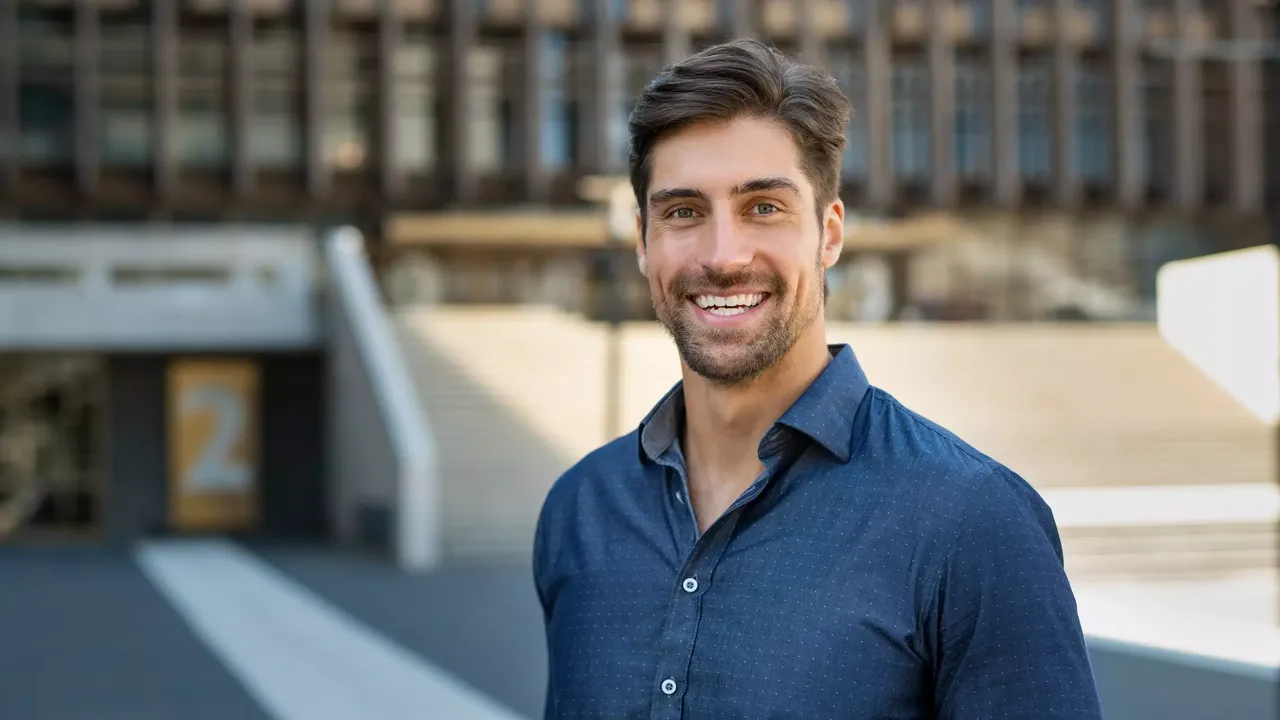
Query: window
[[555, 124], [846, 67], [203, 125], [1035, 151], [1157, 107], [415, 128], [46, 63], [275, 132], [350, 100], [1092, 144], [641, 62], [911, 144], [486, 94], [125, 132], [973, 140]]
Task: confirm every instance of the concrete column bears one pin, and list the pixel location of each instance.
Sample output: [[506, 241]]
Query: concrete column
[[1245, 95], [88, 100], [315, 37], [743, 15], [1188, 118], [460, 180], [10, 130], [164, 78], [390, 39], [240, 36], [1126, 73], [1007, 187], [879, 70], [942, 110], [1066, 185], [603, 55], [676, 43], [811, 50], [531, 106]]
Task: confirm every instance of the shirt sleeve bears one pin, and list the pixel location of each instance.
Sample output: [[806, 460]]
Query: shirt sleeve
[[1010, 642]]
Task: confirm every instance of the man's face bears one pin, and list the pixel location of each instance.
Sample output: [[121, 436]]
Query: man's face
[[734, 250]]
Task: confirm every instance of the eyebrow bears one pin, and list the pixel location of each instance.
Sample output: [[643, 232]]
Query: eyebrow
[[751, 186]]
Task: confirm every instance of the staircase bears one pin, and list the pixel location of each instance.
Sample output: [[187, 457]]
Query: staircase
[[1085, 411]]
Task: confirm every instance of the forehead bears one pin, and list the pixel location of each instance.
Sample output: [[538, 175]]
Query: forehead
[[715, 156]]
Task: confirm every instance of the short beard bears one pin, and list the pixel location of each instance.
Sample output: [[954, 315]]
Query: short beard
[[748, 358]]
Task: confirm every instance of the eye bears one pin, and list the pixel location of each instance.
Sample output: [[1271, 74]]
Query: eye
[[681, 213], [764, 208]]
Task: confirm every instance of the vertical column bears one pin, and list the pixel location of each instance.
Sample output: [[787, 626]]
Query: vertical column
[[164, 111], [462, 37], [810, 37], [532, 105], [390, 37], [1188, 117], [1065, 177], [240, 39], [315, 38], [10, 131], [742, 17], [1007, 188], [87, 97], [875, 46], [675, 32], [602, 57], [1125, 104], [1245, 89], [942, 93]]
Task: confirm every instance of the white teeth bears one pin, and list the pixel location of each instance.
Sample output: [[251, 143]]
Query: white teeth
[[737, 303]]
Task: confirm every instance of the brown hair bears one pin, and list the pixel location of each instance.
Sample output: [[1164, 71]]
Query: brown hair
[[736, 79]]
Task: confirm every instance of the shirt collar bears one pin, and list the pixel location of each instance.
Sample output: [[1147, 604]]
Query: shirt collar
[[824, 412]]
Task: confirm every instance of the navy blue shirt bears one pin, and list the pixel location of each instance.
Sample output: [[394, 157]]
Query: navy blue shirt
[[879, 567]]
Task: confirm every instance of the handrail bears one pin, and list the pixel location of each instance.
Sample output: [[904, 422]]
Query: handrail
[[416, 540]]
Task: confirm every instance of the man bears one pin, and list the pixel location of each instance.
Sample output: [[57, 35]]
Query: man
[[778, 538]]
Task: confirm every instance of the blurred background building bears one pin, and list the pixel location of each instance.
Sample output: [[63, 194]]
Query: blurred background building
[[1056, 247], [1058, 144]]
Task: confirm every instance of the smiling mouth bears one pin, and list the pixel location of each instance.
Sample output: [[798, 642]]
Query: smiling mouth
[[728, 305]]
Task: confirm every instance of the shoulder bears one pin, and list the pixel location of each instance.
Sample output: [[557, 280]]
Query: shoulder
[[969, 492], [605, 467]]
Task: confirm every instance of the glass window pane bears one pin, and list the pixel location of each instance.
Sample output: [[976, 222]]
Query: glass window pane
[[202, 103], [125, 132], [415, 125], [45, 88], [275, 134]]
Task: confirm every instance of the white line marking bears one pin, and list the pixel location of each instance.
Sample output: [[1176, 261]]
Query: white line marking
[[301, 658]]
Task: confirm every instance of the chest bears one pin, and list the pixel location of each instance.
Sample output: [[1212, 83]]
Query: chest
[[766, 623]]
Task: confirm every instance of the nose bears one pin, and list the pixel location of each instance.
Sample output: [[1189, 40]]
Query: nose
[[725, 247]]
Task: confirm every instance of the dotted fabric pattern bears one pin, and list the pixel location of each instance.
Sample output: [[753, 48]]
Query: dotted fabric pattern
[[879, 568]]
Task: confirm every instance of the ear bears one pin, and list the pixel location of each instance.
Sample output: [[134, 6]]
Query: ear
[[833, 233], [641, 250]]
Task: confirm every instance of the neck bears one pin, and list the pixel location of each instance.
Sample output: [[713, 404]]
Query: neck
[[724, 425]]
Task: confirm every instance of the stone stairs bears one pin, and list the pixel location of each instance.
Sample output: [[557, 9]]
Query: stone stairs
[[516, 395]]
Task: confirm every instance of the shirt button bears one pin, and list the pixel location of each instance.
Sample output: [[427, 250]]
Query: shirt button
[[669, 686], [679, 496], [690, 585]]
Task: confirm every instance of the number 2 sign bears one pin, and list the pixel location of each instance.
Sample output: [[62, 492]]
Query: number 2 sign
[[213, 444]]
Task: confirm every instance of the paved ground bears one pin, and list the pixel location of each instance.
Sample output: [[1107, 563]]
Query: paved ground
[[85, 636], [215, 630], [456, 616]]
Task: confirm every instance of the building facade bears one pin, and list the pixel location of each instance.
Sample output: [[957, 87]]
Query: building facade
[[383, 112], [272, 109]]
